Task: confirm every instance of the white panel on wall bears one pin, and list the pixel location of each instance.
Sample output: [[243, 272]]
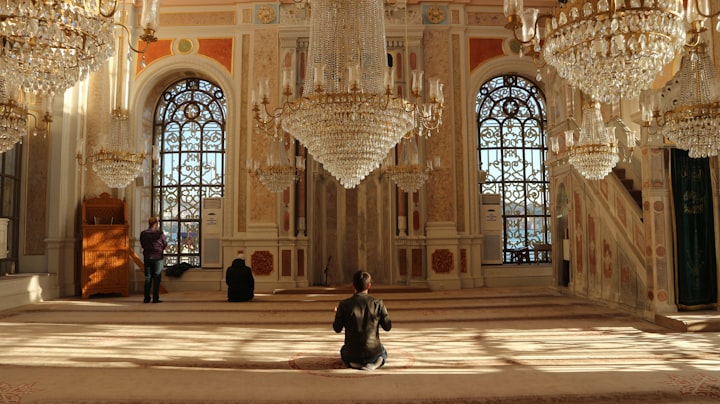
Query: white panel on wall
[[212, 221]]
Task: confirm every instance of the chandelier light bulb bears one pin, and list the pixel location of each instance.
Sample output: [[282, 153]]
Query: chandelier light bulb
[[417, 81], [512, 7], [150, 15], [288, 81], [389, 79], [528, 19], [569, 138]]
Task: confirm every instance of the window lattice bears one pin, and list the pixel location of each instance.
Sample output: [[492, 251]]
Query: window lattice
[[511, 137], [190, 136]]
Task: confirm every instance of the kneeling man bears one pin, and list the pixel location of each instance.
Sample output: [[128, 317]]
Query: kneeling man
[[362, 316]]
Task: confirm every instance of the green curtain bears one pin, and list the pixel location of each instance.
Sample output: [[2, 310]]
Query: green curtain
[[695, 233]]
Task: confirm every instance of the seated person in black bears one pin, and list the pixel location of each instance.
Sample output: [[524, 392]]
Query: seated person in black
[[240, 281], [362, 316]]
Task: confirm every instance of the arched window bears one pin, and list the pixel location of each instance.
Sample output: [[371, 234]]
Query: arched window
[[189, 132], [511, 149]]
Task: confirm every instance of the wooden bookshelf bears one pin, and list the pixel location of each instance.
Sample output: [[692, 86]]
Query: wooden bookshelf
[[106, 241]]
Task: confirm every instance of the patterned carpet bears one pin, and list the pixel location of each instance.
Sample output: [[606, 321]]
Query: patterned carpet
[[509, 345]]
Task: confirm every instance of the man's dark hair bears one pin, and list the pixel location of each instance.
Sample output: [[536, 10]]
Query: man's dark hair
[[361, 280]]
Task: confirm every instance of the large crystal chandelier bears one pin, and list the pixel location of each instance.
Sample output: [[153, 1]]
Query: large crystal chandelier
[[687, 109], [115, 163], [609, 49], [49, 45], [690, 111], [596, 152], [278, 173], [13, 116], [348, 117], [408, 174]]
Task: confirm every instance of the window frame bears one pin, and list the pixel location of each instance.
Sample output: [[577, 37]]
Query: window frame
[[516, 106], [191, 140]]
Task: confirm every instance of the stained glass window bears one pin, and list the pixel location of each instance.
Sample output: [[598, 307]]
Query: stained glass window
[[511, 149], [190, 136]]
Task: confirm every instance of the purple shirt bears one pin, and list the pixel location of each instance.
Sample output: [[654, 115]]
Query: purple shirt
[[153, 243]]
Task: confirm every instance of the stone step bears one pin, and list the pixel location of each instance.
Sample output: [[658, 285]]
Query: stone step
[[347, 289], [690, 321]]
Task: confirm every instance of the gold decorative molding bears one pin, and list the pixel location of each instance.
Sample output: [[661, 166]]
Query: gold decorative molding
[[265, 14], [435, 14]]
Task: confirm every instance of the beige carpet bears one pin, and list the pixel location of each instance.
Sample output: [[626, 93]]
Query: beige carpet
[[510, 345]]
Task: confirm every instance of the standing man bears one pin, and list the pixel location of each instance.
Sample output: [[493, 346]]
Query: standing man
[[153, 243], [240, 281], [362, 316]]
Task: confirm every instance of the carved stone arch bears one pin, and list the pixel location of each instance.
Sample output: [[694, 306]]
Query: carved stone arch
[[154, 79], [504, 65]]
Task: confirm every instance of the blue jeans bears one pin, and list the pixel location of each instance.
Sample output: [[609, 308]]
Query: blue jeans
[[153, 273], [364, 362]]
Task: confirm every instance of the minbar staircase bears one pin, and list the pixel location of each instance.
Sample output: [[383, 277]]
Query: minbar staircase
[[636, 194]]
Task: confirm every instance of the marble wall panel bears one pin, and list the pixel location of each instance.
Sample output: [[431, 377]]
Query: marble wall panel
[[300, 263], [218, 49], [608, 282], [352, 233], [486, 19], [459, 147], [480, 50], [402, 262], [263, 203], [97, 127], [440, 188], [417, 262], [157, 50], [197, 19], [629, 286], [36, 185], [242, 201]]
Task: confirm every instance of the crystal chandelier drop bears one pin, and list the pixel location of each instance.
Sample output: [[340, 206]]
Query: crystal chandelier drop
[[115, 164], [690, 111], [609, 49], [348, 117], [596, 152], [408, 174], [49, 45], [13, 116], [278, 174]]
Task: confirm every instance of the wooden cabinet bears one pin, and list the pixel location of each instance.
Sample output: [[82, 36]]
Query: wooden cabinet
[[105, 246]]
